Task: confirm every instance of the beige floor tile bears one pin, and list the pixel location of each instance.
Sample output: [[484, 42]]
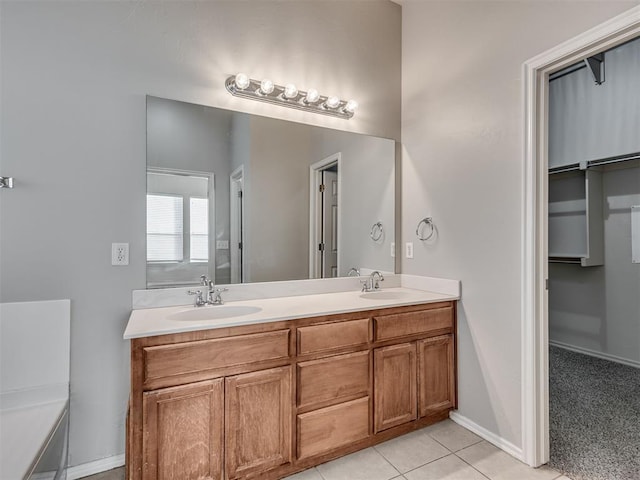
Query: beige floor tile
[[311, 474], [411, 450], [452, 435], [364, 465], [447, 468], [498, 465]]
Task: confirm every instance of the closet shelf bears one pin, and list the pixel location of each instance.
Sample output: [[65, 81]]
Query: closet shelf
[[576, 222]]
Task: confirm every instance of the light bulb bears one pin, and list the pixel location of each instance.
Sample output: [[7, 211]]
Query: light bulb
[[266, 86], [351, 106], [242, 81], [312, 96], [332, 102], [290, 90]]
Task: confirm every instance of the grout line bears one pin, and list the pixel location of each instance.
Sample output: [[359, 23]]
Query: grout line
[[425, 464], [388, 461], [464, 461]]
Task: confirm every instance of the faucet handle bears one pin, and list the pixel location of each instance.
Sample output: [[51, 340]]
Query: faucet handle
[[199, 301], [204, 281]]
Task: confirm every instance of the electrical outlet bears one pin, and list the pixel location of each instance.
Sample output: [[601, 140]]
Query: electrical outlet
[[393, 249], [119, 254], [409, 250]]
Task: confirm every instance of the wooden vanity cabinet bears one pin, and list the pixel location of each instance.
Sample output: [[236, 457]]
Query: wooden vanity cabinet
[[268, 400], [257, 421], [178, 416], [396, 385], [414, 379]]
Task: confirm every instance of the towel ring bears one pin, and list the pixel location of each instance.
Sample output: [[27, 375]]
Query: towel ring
[[426, 221], [376, 231]]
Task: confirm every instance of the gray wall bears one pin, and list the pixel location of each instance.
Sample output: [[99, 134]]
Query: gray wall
[[597, 309], [192, 137], [73, 82], [367, 179], [277, 205], [462, 130], [589, 121]]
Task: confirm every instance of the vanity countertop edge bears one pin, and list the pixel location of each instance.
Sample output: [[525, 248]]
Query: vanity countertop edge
[[155, 321]]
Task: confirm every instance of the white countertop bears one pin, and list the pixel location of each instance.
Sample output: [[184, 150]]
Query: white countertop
[[157, 321]]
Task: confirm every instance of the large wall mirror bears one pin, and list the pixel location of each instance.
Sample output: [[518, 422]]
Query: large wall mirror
[[244, 198]]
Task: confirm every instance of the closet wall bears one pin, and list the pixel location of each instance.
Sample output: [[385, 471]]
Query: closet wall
[[597, 309]]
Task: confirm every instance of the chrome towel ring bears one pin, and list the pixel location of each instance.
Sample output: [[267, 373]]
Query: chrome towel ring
[[376, 231], [429, 222]]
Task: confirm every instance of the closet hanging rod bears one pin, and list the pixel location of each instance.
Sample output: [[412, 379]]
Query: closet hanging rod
[[617, 159], [596, 163]]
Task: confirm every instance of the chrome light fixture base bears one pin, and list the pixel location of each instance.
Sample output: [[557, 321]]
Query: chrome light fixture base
[[277, 97]]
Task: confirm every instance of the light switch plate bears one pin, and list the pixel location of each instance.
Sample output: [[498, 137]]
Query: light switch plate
[[409, 250], [222, 244], [393, 249]]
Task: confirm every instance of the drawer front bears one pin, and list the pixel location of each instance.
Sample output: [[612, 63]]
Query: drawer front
[[332, 336], [333, 379], [191, 357], [413, 323], [329, 428]]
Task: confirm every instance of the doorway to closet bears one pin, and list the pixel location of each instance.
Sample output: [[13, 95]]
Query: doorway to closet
[[594, 265]]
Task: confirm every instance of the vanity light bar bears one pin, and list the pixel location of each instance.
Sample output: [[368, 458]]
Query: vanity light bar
[[241, 85]]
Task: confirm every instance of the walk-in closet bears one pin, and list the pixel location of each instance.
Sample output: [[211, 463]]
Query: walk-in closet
[[594, 266]]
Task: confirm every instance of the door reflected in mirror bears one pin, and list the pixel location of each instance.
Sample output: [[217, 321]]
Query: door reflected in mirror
[[244, 198]]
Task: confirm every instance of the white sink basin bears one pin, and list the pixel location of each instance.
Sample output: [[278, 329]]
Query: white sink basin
[[213, 313], [385, 295]]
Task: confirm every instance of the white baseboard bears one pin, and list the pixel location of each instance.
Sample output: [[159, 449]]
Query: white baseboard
[[595, 353], [91, 468], [490, 437]]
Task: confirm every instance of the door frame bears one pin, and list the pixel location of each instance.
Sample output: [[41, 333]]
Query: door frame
[[315, 218], [534, 248], [236, 255]]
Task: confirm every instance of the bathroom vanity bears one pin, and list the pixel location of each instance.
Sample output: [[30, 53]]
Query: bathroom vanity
[[288, 384]]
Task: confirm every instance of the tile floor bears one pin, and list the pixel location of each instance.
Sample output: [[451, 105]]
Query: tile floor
[[444, 451]]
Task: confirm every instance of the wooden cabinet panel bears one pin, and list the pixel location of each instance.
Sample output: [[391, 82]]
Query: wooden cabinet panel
[[413, 323], [258, 421], [332, 427], [181, 359], [436, 374], [333, 379], [332, 336], [395, 385], [183, 435]]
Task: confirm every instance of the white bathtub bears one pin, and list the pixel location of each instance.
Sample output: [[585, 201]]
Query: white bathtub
[[34, 390]]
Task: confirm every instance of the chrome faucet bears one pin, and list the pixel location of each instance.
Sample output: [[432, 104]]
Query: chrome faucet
[[199, 301], [353, 272], [375, 283], [371, 282], [214, 295]]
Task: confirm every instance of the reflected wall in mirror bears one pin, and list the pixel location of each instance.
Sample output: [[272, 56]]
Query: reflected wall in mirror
[[244, 198]]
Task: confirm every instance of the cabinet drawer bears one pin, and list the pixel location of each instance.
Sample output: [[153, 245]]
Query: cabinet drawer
[[413, 323], [192, 357], [332, 427], [333, 379], [332, 336]]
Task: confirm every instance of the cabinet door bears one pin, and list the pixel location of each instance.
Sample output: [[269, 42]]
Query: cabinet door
[[258, 421], [395, 385], [436, 375], [182, 439]]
